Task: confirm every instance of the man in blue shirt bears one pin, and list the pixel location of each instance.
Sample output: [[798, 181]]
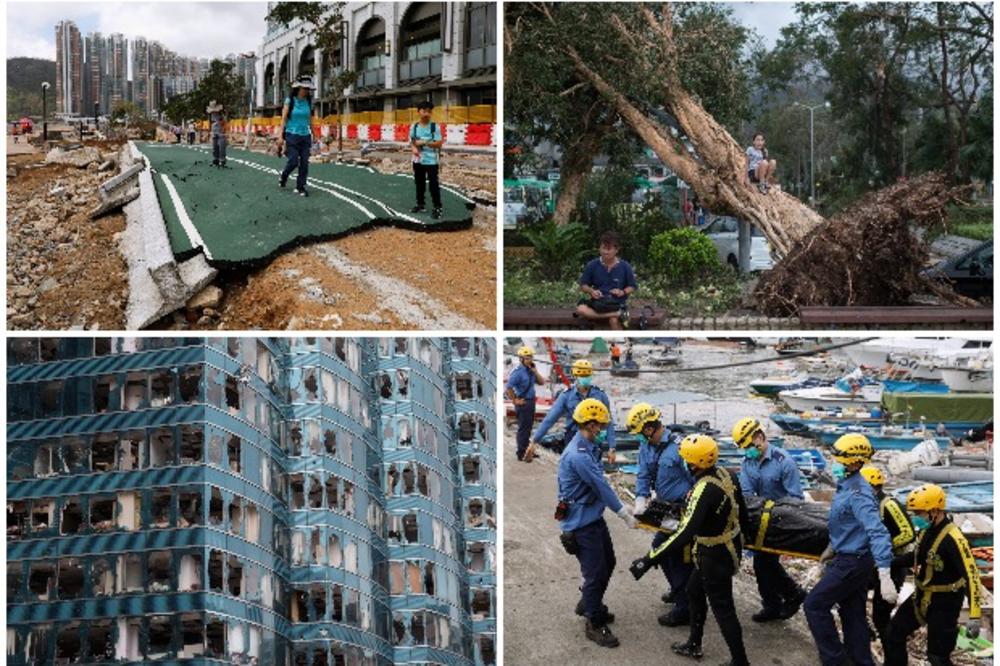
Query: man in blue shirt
[[660, 460], [426, 141], [770, 473], [607, 281], [566, 403], [584, 493], [521, 392], [858, 542]]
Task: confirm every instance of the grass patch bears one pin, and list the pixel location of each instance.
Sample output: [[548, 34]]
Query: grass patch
[[974, 222]]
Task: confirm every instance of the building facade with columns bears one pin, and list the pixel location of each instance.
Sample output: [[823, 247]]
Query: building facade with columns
[[402, 52]]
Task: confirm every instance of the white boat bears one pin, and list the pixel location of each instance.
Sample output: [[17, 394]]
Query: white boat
[[877, 353], [831, 397], [968, 380]]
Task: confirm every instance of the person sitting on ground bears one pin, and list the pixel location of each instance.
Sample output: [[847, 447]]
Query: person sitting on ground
[[295, 133], [426, 141], [217, 118], [607, 281], [760, 169]]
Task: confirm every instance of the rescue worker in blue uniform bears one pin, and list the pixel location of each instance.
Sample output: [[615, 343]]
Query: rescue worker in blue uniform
[[897, 521], [858, 542], [713, 521], [944, 573], [769, 472], [565, 404], [584, 493], [660, 460], [521, 392]]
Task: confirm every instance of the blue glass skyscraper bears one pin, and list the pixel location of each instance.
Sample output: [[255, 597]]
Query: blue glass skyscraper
[[305, 501]]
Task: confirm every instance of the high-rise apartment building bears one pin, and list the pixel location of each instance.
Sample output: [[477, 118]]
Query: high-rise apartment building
[[141, 73], [96, 78], [303, 501], [117, 54], [69, 68]]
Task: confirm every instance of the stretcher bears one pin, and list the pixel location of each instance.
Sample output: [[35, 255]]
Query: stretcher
[[788, 526]]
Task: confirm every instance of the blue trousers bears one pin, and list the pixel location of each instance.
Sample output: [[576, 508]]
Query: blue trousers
[[597, 563], [525, 420], [844, 584], [218, 148], [298, 147], [677, 573]]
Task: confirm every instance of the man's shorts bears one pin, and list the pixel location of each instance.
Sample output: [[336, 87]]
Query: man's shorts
[[601, 305]]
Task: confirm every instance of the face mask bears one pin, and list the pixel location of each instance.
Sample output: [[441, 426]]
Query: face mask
[[921, 523], [601, 436], [753, 453], [642, 438], [585, 382], [838, 471]]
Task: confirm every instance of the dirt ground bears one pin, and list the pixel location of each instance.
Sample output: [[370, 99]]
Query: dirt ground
[[65, 271]]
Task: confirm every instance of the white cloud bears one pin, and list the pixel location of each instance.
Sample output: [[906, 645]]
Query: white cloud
[[203, 29], [767, 18]]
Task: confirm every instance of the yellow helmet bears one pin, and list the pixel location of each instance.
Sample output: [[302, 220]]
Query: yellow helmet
[[926, 498], [582, 368], [699, 450], [744, 431], [525, 351], [852, 448], [873, 475], [640, 414], [591, 409]]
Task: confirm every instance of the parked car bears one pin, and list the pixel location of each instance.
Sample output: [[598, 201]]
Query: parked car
[[970, 274], [723, 231]]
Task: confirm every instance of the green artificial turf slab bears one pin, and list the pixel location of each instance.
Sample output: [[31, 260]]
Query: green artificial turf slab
[[239, 215]]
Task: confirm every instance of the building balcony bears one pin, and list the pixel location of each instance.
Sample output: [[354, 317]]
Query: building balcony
[[420, 68]]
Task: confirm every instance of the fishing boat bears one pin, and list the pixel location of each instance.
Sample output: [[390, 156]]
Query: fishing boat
[[771, 386], [831, 397], [799, 424], [884, 438], [625, 369], [664, 357], [967, 380], [884, 351], [965, 497], [542, 407]]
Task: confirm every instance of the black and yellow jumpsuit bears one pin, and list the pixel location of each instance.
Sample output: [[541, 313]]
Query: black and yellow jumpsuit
[[712, 522], [897, 521], [944, 572]]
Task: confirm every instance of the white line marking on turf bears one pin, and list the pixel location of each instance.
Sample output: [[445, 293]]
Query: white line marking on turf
[[192, 233]]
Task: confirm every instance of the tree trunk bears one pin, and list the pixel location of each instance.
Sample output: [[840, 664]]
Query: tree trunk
[[718, 173], [576, 165]]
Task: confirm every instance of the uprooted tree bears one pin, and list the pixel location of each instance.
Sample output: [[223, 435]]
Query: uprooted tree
[[638, 59]]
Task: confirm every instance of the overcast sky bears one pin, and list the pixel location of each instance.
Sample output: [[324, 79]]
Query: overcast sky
[[767, 18], [195, 29]]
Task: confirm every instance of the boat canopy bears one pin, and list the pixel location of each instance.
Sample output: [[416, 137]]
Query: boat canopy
[[940, 406]]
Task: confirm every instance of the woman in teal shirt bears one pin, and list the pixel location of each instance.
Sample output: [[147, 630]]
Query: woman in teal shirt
[[296, 133]]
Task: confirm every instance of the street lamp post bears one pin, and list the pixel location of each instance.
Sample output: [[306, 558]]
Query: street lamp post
[[812, 151], [97, 106], [253, 83], [45, 114]]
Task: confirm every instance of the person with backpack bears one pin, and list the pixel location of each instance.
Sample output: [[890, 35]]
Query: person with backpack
[[295, 133], [661, 466], [426, 141]]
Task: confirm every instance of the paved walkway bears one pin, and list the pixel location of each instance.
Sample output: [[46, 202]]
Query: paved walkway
[[22, 147], [540, 591], [239, 215]]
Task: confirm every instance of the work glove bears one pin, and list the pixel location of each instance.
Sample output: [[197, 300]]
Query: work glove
[[972, 628], [886, 587], [640, 505], [640, 567], [611, 456], [826, 556], [529, 453], [625, 513]]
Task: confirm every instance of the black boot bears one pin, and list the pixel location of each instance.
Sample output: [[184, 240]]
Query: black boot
[[767, 615], [601, 635], [688, 649], [668, 597], [674, 619], [791, 606], [608, 617]]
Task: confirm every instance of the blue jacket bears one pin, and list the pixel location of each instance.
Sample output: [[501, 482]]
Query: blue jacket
[[522, 380], [673, 478], [582, 484], [855, 524], [564, 406], [772, 476]]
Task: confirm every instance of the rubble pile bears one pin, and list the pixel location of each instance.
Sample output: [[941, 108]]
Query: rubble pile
[[867, 255]]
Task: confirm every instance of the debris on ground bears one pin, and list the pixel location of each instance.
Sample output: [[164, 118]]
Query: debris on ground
[[81, 157], [866, 255]]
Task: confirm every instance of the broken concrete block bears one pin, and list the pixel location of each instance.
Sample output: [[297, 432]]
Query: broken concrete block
[[80, 158], [129, 173], [209, 297], [106, 165], [115, 203]]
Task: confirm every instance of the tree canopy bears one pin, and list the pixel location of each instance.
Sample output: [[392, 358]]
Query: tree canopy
[[220, 84]]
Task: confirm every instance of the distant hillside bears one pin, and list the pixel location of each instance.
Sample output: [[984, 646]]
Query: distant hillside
[[24, 86]]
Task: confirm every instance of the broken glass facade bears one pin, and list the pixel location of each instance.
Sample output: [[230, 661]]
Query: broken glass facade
[[290, 501]]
